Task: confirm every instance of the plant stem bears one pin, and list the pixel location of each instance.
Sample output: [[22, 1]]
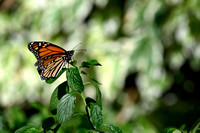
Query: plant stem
[[83, 97], [56, 128], [86, 83], [88, 115], [87, 111]]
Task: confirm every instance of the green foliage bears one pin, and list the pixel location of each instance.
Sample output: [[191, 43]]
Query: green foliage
[[64, 102], [66, 106], [48, 123], [98, 94], [83, 130], [28, 129], [96, 115], [90, 77], [1, 122], [153, 44], [89, 63], [196, 129], [112, 128], [74, 80], [58, 93], [171, 130]]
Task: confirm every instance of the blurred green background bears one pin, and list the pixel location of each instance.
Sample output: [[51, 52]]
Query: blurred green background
[[149, 51]]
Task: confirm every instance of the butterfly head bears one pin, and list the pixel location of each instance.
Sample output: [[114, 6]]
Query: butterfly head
[[69, 55]]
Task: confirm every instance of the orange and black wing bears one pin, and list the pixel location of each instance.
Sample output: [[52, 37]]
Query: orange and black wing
[[52, 69], [50, 58], [43, 50]]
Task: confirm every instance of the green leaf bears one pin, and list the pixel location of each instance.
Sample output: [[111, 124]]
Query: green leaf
[[48, 123], [112, 128], [83, 130], [89, 63], [36, 105], [95, 115], [66, 106], [1, 122], [90, 77], [98, 94], [74, 79], [196, 129], [171, 130], [27, 129], [60, 91], [78, 114], [73, 63], [51, 80], [89, 100], [94, 62]]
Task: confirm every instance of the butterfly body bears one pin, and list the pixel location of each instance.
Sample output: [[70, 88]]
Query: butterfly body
[[50, 58]]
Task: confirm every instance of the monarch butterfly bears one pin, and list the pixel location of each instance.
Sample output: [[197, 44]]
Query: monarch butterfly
[[50, 58]]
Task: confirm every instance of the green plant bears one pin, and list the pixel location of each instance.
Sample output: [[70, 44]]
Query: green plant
[[63, 102], [182, 129]]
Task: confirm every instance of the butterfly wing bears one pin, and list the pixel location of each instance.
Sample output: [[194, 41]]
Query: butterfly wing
[[50, 58], [44, 49], [52, 69]]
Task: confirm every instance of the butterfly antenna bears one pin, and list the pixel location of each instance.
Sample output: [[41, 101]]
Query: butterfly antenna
[[81, 50], [77, 46]]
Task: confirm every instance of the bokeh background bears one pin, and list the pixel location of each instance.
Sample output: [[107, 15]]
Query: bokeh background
[[149, 51]]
